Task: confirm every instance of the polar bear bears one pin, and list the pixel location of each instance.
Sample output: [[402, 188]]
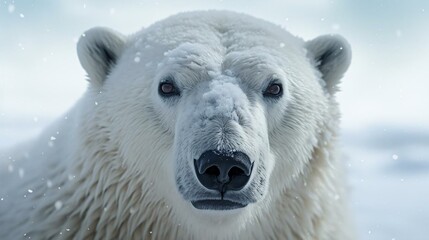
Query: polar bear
[[206, 125]]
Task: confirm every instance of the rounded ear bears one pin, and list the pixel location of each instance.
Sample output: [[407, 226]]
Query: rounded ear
[[98, 50], [331, 55]]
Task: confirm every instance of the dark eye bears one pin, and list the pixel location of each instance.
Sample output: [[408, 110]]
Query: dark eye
[[167, 89], [273, 90]]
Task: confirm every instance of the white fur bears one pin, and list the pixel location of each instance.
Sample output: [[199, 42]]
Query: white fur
[[112, 166]]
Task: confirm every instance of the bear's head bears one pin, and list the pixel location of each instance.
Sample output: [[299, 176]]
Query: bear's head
[[219, 112]]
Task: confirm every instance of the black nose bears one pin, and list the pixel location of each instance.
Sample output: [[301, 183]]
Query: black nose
[[223, 172]]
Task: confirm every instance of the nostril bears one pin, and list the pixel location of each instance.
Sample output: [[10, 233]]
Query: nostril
[[212, 171], [235, 171]]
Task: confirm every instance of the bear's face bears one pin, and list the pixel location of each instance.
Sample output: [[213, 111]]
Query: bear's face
[[220, 115]]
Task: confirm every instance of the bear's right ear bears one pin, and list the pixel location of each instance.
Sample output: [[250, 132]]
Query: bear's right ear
[[98, 50]]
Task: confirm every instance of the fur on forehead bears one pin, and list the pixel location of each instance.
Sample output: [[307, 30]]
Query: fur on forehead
[[191, 63], [220, 47]]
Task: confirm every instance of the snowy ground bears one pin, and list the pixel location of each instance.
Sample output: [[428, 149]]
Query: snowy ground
[[384, 98], [389, 178]]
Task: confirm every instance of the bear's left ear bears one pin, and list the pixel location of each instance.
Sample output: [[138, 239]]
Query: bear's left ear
[[331, 55], [98, 50]]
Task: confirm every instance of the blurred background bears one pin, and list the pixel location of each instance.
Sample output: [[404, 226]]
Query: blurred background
[[384, 98]]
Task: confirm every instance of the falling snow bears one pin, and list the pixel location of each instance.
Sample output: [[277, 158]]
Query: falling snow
[[21, 173], [11, 8], [49, 183], [132, 211], [398, 33], [58, 205], [335, 26]]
